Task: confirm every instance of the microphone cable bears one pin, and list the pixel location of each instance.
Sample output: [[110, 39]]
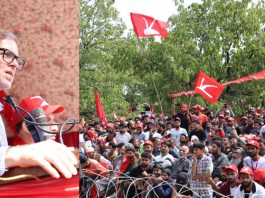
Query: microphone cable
[[9, 100]]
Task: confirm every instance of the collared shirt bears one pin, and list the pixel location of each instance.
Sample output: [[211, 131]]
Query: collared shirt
[[260, 163], [257, 191], [3, 147], [201, 187], [166, 160], [181, 165]]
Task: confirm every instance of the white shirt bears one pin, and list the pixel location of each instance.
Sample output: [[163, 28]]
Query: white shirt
[[166, 160], [254, 164], [155, 135], [3, 147], [233, 191], [262, 130], [81, 138], [123, 138], [260, 192], [176, 133]]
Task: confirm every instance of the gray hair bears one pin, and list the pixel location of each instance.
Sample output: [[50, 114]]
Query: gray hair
[[5, 34], [186, 149]]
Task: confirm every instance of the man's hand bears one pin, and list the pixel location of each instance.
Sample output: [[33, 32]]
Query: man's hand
[[144, 174], [53, 157]]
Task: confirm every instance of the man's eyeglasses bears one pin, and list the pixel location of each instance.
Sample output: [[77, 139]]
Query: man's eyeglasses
[[9, 57]]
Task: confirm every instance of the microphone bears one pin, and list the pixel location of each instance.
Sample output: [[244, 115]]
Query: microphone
[[35, 131], [9, 100]]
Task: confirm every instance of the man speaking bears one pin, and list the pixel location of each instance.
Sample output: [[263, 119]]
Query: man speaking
[[53, 157]]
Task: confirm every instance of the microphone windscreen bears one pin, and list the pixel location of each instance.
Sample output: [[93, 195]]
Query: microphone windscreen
[[39, 117]]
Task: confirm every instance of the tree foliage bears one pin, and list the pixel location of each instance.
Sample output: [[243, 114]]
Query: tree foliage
[[225, 39]]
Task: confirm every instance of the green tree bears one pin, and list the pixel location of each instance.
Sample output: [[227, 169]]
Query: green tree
[[224, 38]]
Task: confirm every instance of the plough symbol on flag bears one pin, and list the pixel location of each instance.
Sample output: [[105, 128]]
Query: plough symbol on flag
[[203, 87], [149, 30]]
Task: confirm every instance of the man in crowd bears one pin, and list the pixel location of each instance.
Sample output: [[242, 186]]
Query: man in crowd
[[44, 154], [229, 187], [219, 159], [185, 117], [253, 160], [198, 115], [148, 146], [183, 164], [250, 124], [152, 133], [165, 158], [177, 131], [202, 167], [141, 171], [248, 187], [197, 131], [237, 157], [123, 136], [137, 132]]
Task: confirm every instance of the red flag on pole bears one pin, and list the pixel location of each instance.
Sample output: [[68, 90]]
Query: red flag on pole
[[148, 26], [208, 87], [100, 111], [152, 108]]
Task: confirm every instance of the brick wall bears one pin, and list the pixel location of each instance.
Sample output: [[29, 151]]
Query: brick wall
[[48, 39]]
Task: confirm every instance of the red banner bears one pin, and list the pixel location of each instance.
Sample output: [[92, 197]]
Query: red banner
[[100, 111], [256, 76], [209, 88], [148, 26]]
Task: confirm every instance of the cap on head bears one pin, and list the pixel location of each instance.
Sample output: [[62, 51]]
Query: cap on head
[[148, 142], [32, 102], [184, 105], [197, 107], [221, 115], [253, 143], [246, 170], [231, 167]]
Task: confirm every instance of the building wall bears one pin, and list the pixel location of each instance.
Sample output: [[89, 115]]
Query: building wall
[[48, 39]]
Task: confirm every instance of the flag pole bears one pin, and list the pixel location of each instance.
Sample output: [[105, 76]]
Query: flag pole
[[153, 81], [190, 99]]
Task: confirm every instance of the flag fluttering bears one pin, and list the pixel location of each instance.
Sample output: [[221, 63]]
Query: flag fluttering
[[148, 26], [256, 76], [208, 87], [100, 111]]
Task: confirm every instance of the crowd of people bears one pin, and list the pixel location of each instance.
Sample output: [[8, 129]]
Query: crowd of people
[[193, 153]]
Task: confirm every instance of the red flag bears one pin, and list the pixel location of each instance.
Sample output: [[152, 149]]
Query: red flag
[[152, 108], [256, 76], [100, 110], [148, 26], [208, 87]]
